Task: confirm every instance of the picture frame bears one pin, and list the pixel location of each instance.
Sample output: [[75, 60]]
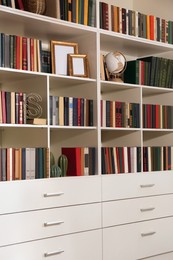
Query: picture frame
[[59, 56], [78, 65]]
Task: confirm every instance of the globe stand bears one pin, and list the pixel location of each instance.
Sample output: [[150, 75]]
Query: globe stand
[[116, 78]]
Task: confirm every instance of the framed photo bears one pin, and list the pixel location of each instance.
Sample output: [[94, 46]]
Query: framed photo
[[59, 53], [78, 65]]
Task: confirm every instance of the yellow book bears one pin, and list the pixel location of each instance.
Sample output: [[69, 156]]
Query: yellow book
[[85, 12], [148, 27]]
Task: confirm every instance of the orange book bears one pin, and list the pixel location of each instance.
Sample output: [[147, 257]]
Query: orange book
[[18, 166], [85, 12], [77, 11], [10, 164], [116, 18], [69, 10]]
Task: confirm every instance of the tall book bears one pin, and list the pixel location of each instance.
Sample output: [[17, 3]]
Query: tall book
[[74, 160]]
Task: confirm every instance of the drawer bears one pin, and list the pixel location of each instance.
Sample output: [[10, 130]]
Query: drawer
[[136, 209], [79, 246], [140, 240], [27, 226], [121, 186], [25, 195]]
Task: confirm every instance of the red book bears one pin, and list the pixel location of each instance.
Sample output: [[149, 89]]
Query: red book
[[20, 4], [118, 160], [152, 25], [74, 160], [3, 102], [32, 54], [105, 16], [18, 52], [118, 108]]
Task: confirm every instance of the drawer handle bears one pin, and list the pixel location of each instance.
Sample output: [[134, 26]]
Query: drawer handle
[[147, 209], [53, 223], [148, 233], [53, 194], [147, 185], [54, 253]]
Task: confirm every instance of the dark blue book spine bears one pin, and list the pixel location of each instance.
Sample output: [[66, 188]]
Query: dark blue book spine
[[75, 111]]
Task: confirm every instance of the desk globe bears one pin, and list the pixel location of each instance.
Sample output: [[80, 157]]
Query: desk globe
[[116, 64]]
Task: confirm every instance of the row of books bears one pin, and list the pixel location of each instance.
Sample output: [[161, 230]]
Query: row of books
[[151, 71], [119, 114], [157, 158], [13, 108], [24, 163], [71, 111], [77, 11], [81, 160], [23, 53], [157, 116], [13, 3], [131, 22], [121, 160]]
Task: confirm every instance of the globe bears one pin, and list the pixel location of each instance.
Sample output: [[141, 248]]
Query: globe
[[116, 64]]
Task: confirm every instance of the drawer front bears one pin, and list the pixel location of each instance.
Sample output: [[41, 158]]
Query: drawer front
[[140, 240], [136, 209], [25, 195], [121, 186], [80, 246], [48, 223]]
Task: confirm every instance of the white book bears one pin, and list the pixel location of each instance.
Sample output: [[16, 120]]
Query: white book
[[126, 169], [28, 159], [32, 163]]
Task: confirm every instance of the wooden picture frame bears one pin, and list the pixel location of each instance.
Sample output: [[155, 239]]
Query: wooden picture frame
[[78, 65], [59, 52]]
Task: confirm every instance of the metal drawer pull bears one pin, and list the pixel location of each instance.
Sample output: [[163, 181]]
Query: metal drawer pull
[[147, 209], [53, 194], [148, 234], [147, 185], [53, 223], [54, 253]]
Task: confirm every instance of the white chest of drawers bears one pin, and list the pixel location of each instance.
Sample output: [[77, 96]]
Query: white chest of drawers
[[55, 218]]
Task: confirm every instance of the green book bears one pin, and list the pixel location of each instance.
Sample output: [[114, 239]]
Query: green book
[[131, 74]]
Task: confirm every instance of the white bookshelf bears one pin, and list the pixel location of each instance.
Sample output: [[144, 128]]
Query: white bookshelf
[[98, 196]]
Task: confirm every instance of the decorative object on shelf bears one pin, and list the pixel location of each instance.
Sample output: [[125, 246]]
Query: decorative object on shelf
[[78, 65], [33, 108], [63, 164], [59, 52], [55, 170], [116, 64], [35, 6]]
